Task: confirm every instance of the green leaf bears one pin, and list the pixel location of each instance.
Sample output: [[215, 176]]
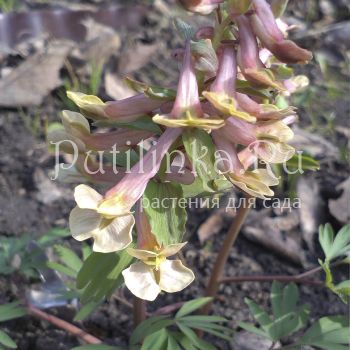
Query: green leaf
[[290, 298], [167, 218], [86, 310], [184, 29], [191, 306], [303, 162], [245, 87], [100, 274], [334, 247], [53, 235], [172, 342], [252, 329], [189, 333], [157, 340], [259, 314], [330, 333], [343, 288], [10, 311], [288, 324], [201, 151], [7, 341], [149, 326], [61, 268], [276, 297], [70, 258]]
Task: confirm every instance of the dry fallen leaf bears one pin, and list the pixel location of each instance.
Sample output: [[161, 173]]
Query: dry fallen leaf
[[36, 77], [269, 232], [137, 56], [340, 208], [311, 209], [116, 88]]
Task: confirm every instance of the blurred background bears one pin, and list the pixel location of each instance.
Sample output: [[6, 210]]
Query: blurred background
[[48, 47]]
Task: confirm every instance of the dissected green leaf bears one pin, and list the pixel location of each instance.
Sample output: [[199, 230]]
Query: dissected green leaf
[[259, 314], [302, 162], [329, 333], [11, 310], [149, 326], [166, 217], [100, 274], [53, 235], [252, 329], [192, 305], [334, 245], [157, 340], [86, 310], [184, 29], [7, 341]]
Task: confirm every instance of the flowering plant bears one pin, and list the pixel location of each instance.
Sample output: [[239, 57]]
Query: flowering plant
[[227, 124]]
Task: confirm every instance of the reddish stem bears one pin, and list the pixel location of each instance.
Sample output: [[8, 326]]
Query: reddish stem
[[70, 328]]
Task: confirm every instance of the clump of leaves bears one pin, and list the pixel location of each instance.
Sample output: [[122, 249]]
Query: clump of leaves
[[329, 333], [9, 312], [166, 332], [15, 255], [335, 247]]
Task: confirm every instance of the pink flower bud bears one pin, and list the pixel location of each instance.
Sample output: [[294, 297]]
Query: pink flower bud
[[265, 27], [131, 108]]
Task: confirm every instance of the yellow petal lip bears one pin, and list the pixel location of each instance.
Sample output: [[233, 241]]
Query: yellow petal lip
[[227, 106], [194, 122], [114, 206], [141, 254], [82, 100], [256, 183], [75, 120]]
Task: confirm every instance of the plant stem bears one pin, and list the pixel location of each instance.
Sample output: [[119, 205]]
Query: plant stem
[[139, 311], [224, 252], [271, 278], [70, 328], [300, 278]]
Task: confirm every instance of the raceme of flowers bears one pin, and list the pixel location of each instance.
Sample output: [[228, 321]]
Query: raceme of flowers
[[232, 87]]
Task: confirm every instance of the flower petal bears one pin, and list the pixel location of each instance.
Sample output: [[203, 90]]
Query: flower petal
[[227, 105], [83, 222], [86, 197], [139, 279], [141, 254], [174, 276], [274, 152], [172, 249], [193, 122], [117, 235], [74, 120]]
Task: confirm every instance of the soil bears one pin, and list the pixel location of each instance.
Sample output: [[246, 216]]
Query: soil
[[25, 162]]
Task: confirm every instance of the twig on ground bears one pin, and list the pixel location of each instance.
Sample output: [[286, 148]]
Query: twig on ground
[[70, 328]]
